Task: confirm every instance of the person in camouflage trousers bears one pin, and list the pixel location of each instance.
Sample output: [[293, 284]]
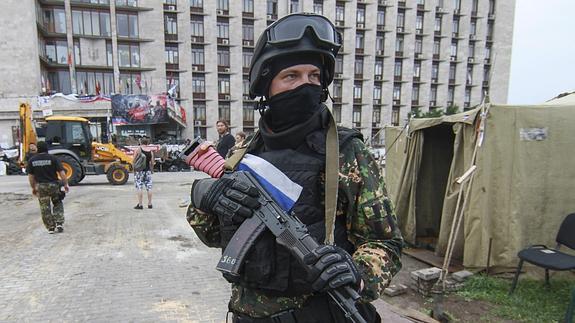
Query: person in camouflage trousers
[[43, 170], [291, 70]]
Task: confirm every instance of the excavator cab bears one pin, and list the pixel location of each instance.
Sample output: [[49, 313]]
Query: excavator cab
[[70, 133]]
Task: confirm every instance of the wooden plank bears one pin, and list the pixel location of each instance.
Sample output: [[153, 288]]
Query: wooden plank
[[430, 258]]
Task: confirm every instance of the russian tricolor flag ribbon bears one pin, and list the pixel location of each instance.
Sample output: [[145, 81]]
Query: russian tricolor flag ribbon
[[282, 189]]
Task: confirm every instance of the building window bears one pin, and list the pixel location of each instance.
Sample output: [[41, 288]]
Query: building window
[[294, 6], [401, 18], [473, 27], [54, 20], [128, 55], [488, 52], [170, 24], [197, 55], [396, 92], [247, 57], [418, 45], [437, 27], [90, 83], [452, 72], [248, 6], [419, 22], [415, 93], [127, 25], [224, 84], [379, 43], [454, 49], [433, 94], [57, 51], [318, 7], [471, 49], [172, 54], [360, 15], [457, 4], [359, 40], [109, 57], [338, 64], [197, 23], [248, 31], [128, 83], [197, 3], [436, 47], [357, 88], [376, 115], [337, 113], [450, 95], [489, 30], [77, 56], [223, 29], [397, 68], [199, 83], [91, 23], [467, 99], [126, 3], [399, 44], [381, 18], [358, 66], [224, 111], [60, 81], [337, 89], [272, 8], [491, 7], [248, 115], [223, 5], [340, 12], [356, 116], [417, 69], [469, 75], [455, 26], [377, 93], [378, 68], [434, 71], [199, 111], [224, 57]]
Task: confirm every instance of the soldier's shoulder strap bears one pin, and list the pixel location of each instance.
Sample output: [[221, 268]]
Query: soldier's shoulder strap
[[234, 159]]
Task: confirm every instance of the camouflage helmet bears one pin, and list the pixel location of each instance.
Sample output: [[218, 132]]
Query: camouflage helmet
[[294, 34]]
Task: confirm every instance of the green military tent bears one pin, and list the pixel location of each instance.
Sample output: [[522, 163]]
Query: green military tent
[[521, 181]]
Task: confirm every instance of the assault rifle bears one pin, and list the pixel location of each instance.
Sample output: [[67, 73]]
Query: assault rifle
[[289, 231]]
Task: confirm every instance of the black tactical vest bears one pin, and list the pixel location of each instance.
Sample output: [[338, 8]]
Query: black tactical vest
[[268, 265]]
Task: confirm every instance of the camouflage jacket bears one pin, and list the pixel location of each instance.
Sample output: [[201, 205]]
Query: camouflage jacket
[[371, 226]]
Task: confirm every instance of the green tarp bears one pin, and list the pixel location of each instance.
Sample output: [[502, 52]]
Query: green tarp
[[521, 190]]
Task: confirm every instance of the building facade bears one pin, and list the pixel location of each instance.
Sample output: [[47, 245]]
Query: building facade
[[397, 56]]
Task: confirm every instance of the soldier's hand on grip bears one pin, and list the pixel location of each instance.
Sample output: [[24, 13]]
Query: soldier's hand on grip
[[230, 199], [330, 267]]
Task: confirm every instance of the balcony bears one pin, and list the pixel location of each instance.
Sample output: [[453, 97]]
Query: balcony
[[199, 95], [171, 37], [170, 7], [224, 69], [198, 68], [224, 97], [223, 41], [247, 14], [340, 23], [197, 39], [224, 13], [197, 10], [248, 43]]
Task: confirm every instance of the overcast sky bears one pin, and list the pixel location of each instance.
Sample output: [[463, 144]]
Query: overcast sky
[[543, 57]]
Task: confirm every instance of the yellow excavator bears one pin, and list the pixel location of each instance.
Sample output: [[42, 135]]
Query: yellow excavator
[[70, 140]]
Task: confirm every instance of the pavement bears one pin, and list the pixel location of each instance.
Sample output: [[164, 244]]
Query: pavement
[[112, 263]]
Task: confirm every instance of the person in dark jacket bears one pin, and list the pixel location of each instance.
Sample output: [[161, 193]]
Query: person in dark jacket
[[226, 140], [43, 170], [291, 69]]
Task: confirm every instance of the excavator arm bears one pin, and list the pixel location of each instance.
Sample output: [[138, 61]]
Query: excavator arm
[[27, 131]]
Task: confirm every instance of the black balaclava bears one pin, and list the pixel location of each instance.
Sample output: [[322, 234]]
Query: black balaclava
[[293, 107]]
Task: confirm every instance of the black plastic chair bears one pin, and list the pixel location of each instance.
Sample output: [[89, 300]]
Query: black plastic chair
[[550, 259]]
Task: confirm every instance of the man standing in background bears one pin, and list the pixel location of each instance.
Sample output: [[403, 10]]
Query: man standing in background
[[226, 140], [43, 170]]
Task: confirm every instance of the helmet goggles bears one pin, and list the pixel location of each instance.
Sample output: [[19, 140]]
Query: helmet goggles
[[291, 29]]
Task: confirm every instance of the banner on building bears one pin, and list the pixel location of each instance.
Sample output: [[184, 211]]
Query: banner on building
[[139, 109]]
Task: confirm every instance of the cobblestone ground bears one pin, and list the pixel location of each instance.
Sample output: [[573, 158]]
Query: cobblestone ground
[[112, 263]]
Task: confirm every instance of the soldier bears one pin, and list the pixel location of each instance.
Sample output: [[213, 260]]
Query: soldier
[[291, 70], [43, 170]]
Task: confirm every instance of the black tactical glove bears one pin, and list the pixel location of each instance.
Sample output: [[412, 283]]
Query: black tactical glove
[[227, 198], [331, 267]]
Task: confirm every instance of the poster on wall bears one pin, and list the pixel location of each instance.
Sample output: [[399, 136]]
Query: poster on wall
[[139, 109]]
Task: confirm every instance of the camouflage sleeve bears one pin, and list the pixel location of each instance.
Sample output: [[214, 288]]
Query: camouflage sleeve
[[370, 218], [205, 225]]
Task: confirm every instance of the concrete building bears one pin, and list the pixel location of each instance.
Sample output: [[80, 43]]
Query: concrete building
[[397, 56]]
